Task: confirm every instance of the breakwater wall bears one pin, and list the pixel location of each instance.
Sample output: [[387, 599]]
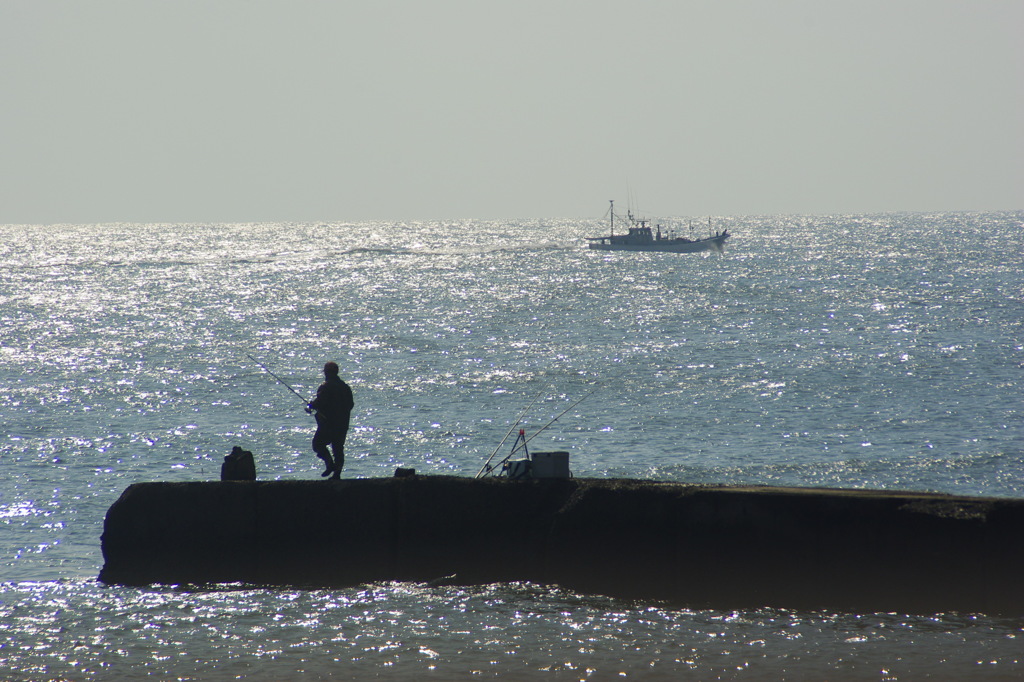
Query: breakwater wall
[[696, 546]]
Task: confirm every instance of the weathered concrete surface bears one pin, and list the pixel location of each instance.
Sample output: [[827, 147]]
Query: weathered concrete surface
[[722, 547]]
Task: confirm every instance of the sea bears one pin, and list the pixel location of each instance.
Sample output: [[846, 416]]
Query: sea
[[881, 352]]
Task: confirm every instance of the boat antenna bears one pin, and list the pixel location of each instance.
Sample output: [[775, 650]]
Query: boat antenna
[[282, 382]]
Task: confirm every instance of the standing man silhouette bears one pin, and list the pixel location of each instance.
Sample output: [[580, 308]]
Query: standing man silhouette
[[333, 406]]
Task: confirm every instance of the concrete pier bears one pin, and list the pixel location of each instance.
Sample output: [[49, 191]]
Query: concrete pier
[[696, 546]]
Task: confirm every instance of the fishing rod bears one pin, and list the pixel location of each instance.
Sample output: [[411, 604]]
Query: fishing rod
[[562, 413], [267, 370], [511, 429], [522, 436]]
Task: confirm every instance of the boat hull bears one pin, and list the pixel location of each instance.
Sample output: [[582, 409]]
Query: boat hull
[[664, 245]]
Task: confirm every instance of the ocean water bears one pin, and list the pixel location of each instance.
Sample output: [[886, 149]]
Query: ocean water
[[855, 351]]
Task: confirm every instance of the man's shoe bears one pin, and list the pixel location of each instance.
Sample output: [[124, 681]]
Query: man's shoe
[[328, 471]]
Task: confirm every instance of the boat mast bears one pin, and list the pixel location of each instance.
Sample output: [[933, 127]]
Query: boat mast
[[611, 212]]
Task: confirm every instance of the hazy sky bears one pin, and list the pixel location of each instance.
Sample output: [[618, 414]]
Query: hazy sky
[[271, 110]]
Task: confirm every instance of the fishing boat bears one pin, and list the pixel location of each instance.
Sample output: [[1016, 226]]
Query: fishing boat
[[641, 237]]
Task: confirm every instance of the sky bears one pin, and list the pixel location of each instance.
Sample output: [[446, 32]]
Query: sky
[[337, 111]]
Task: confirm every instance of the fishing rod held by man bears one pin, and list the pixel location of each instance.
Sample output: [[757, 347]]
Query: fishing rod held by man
[[281, 381]]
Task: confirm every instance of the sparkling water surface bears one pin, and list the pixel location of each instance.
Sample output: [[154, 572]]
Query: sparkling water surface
[[881, 351]]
